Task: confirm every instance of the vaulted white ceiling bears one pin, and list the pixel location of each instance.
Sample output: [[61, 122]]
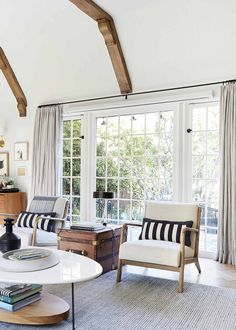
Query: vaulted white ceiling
[[58, 53]]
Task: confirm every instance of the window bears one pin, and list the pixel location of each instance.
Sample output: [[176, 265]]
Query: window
[[71, 171], [205, 170], [135, 161]]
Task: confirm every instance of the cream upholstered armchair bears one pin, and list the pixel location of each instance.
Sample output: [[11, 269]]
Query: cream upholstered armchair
[[169, 239], [39, 224]]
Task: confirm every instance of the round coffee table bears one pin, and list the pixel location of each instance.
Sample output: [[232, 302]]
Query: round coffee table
[[72, 268]]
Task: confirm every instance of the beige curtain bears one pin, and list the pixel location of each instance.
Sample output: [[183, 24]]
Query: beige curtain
[[226, 252], [45, 168]]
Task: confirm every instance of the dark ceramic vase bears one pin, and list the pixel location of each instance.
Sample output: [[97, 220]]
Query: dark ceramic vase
[[9, 241]]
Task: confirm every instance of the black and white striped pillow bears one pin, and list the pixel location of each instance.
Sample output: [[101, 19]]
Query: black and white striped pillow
[[165, 230], [27, 220]]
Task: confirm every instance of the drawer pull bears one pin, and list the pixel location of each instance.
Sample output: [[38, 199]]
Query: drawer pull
[[81, 252]]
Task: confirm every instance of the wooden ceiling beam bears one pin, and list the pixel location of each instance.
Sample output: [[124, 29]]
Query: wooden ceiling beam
[[107, 28], [13, 84]]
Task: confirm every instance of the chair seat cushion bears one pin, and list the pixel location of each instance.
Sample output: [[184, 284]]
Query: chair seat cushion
[[154, 251]]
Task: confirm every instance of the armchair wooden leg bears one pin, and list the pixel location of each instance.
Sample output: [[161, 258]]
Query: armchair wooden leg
[[181, 279], [119, 271], [197, 264]]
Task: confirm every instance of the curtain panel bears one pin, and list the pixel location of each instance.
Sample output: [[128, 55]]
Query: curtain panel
[[226, 250], [45, 165]]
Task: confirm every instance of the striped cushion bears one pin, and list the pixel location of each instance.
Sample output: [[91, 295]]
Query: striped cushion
[[27, 219], [165, 230]]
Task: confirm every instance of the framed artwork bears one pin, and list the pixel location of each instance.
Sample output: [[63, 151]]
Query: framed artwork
[[4, 163], [21, 151], [21, 171]]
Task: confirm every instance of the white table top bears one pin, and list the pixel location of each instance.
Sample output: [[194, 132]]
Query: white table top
[[72, 268]]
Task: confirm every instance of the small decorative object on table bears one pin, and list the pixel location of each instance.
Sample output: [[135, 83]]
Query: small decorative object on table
[[103, 195], [9, 241]]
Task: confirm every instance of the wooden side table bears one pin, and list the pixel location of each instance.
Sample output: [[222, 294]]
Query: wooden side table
[[101, 245]]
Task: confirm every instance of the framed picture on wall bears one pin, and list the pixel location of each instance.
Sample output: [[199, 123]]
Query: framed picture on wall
[[21, 151], [21, 171], [4, 163]]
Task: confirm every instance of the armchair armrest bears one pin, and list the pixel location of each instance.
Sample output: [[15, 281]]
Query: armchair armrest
[[182, 240], [123, 237]]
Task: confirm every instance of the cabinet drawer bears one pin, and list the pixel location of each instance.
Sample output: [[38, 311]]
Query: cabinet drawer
[[2, 203]]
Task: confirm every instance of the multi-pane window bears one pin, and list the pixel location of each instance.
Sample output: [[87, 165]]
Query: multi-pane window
[[135, 161], [71, 172], [205, 170]]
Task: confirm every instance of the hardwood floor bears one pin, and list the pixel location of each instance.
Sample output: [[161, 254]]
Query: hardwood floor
[[213, 273]]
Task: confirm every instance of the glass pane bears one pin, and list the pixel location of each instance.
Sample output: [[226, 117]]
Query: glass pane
[[152, 166], [125, 145], [138, 167], [101, 147], [166, 121], [112, 167], [211, 239], [152, 190], [75, 186], [199, 191], [125, 125], [75, 206], [212, 191], [100, 203], [213, 167], [138, 123], [152, 145], [166, 144], [213, 117], [66, 167], [138, 145], [152, 122], [112, 125], [199, 167], [125, 167], [101, 127], [76, 167], [100, 185], [76, 148], [199, 143], [112, 185], [65, 186], [166, 190], [125, 189], [112, 146], [66, 148], [112, 211], [124, 210], [138, 188], [76, 128], [212, 216], [66, 128], [101, 167], [213, 142], [166, 167], [199, 119], [137, 210]]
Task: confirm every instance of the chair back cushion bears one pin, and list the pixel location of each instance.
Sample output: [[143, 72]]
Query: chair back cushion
[[174, 212], [47, 204], [165, 230]]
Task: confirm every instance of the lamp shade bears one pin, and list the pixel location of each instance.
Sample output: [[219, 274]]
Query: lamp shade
[[103, 194]]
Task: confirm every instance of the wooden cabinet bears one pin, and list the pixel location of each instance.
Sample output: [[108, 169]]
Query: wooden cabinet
[[12, 203]]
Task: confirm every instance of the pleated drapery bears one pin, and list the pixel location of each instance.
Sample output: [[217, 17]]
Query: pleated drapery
[[45, 167], [226, 250]]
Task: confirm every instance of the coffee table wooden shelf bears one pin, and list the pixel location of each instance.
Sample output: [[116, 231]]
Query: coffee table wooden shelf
[[49, 310]]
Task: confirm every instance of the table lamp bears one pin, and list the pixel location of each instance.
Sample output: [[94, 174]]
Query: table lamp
[[104, 195]]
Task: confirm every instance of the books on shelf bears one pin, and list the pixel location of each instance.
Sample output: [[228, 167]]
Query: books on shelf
[[16, 296], [88, 226]]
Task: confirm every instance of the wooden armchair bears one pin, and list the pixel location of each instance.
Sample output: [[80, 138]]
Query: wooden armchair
[[163, 254]]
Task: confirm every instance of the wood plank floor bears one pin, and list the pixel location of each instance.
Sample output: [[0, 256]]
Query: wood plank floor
[[213, 273]]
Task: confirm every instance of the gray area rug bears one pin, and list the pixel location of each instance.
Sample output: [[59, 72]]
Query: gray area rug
[[141, 302]]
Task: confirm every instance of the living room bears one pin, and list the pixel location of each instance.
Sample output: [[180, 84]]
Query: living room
[[137, 102]]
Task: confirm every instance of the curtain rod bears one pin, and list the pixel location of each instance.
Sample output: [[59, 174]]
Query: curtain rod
[[138, 93]]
